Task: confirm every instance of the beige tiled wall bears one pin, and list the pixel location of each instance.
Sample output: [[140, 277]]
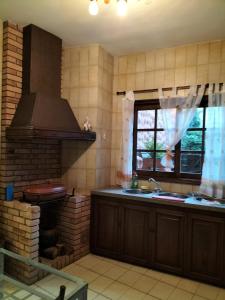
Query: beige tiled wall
[[87, 76], [185, 65]]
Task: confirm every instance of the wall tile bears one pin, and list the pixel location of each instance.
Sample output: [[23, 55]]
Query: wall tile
[[131, 81], [214, 72], [131, 63], [140, 81], [191, 55], [150, 61], [169, 78], [191, 75], [203, 53], [122, 65], [170, 58], [180, 77], [149, 80], [140, 63], [202, 74], [215, 52], [159, 60], [180, 57], [84, 57]]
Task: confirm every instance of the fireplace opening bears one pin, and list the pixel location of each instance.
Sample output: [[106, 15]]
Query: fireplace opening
[[50, 198], [50, 243]]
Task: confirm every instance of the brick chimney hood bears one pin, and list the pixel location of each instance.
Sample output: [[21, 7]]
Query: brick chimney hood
[[41, 113]]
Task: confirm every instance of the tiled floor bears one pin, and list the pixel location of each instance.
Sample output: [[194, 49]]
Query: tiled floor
[[110, 279]]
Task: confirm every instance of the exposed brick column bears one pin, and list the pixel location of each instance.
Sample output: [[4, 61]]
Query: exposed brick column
[[11, 87], [19, 225], [74, 224]]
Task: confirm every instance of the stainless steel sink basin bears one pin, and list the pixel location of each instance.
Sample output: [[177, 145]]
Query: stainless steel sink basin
[[136, 191], [175, 195]]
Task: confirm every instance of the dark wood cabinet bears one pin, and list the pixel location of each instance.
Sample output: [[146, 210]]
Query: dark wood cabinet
[[175, 239], [169, 240], [205, 247], [107, 228], [135, 234]]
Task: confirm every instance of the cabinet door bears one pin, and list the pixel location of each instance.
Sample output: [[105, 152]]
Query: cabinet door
[[205, 247], [169, 240], [105, 227], [135, 234]]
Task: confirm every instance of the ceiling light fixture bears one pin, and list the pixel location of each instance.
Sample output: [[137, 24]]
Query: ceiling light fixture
[[93, 7], [121, 7]]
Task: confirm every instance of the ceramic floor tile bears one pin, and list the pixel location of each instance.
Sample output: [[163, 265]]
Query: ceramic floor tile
[[85, 274], [101, 267], [140, 270], [196, 297], [132, 294], [115, 272], [129, 278], [123, 265], [100, 284], [88, 261], [170, 279], [162, 290], [91, 294], [221, 295], [145, 284], [154, 274], [188, 285], [149, 297], [115, 290], [179, 294], [101, 297], [208, 291]]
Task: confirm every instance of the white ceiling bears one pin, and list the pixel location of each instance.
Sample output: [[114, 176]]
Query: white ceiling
[[149, 23]]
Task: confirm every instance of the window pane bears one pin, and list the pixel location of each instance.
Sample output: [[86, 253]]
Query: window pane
[[158, 165], [145, 140], [159, 119], [145, 161], [190, 163], [197, 121], [192, 141], [161, 141], [146, 119]]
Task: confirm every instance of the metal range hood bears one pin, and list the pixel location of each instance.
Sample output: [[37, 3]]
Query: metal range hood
[[41, 112]]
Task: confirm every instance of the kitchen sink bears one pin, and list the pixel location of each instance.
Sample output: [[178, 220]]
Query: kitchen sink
[[174, 195], [137, 191]]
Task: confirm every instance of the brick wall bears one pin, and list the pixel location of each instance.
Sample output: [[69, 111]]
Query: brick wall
[[22, 162], [28, 162], [74, 222], [19, 226]]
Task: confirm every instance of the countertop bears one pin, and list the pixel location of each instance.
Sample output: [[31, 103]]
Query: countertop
[[152, 198]]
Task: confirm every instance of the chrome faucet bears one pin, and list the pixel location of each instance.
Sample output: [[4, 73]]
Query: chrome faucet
[[158, 187]]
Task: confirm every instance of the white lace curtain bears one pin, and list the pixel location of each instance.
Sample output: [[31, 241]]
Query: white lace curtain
[[124, 163], [213, 173], [177, 113]]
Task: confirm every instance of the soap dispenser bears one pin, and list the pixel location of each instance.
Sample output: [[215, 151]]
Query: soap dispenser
[[134, 181]]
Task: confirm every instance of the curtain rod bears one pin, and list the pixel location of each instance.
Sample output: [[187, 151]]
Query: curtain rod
[[185, 87]]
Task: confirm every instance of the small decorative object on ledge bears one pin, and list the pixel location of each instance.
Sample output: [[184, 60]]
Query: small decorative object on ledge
[[87, 125], [9, 192]]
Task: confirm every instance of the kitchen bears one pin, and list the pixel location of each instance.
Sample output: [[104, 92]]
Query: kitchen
[[62, 161]]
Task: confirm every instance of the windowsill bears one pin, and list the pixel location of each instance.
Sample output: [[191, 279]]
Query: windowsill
[[194, 181]]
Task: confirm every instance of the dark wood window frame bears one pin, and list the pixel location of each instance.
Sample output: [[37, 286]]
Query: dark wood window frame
[[175, 176]]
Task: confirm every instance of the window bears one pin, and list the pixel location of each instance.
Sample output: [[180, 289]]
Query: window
[[150, 144]]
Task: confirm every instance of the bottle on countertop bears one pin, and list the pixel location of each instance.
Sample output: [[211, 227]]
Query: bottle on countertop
[[134, 181]]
